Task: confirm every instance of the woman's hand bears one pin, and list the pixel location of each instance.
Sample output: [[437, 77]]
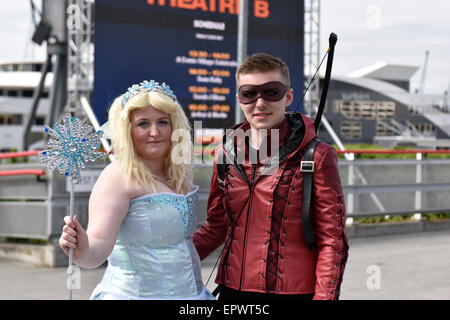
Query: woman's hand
[[75, 237], [108, 206]]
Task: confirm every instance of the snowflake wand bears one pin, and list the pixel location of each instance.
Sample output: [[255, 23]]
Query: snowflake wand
[[71, 145]]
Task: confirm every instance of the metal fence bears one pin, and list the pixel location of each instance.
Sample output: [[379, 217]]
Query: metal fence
[[33, 206], [382, 187], [396, 186]]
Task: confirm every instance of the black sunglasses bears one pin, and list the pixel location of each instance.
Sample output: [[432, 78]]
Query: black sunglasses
[[270, 91]]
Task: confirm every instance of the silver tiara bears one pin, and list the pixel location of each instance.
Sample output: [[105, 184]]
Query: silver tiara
[[148, 86]]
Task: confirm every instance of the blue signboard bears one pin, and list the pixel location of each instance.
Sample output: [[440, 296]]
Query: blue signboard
[[190, 45]]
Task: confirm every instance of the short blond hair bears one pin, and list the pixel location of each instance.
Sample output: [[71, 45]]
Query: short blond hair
[[263, 62], [179, 174]]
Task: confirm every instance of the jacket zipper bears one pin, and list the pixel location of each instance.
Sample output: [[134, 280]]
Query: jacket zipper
[[251, 186]]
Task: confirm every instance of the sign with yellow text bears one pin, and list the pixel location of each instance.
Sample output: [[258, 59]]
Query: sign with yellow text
[[190, 45]]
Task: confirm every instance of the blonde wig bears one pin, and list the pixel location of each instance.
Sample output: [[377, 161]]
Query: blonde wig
[[179, 173]]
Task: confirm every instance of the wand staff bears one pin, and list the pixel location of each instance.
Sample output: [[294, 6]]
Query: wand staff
[[70, 147]]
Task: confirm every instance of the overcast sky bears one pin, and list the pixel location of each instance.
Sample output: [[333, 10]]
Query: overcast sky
[[369, 31], [394, 31]]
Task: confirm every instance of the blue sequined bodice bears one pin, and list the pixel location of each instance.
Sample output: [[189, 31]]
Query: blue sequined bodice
[[154, 256]]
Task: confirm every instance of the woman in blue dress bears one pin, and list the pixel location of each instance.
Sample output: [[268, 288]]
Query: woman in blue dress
[[142, 209]]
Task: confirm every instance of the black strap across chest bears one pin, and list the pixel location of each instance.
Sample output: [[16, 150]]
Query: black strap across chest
[[307, 169]]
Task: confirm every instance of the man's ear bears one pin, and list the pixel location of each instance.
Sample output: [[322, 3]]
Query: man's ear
[[237, 100], [289, 97]]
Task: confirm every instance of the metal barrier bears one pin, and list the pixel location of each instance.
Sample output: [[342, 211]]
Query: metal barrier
[[395, 186], [34, 201]]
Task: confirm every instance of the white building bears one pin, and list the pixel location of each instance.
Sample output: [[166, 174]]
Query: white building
[[18, 80]]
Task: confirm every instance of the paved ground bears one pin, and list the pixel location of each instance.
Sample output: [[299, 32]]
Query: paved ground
[[408, 266], [411, 266]]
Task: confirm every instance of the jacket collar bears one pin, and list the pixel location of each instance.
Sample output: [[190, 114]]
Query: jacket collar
[[296, 131]]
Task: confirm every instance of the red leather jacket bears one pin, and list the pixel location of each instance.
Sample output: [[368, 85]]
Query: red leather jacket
[[259, 219]]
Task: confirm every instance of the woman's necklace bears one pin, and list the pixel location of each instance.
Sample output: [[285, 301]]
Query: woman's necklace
[[164, 182], [160, 179]]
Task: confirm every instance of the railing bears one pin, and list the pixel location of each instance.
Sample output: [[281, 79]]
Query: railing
[[392, 152], [10, 155], [34, 172], [34, 208], [34, 201], [19, 172], [377, 187]]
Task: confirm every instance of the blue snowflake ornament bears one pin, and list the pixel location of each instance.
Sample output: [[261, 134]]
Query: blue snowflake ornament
[[70, 147]]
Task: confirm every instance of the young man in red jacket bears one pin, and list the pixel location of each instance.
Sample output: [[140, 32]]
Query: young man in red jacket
[[255, 201]]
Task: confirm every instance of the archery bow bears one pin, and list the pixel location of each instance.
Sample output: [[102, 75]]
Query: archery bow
[[308, 230], [332, 43], [330, 53]]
